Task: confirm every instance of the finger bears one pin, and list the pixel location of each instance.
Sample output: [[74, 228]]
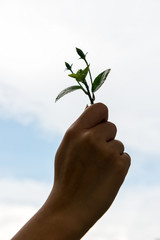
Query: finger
[[104, 131], [93, 115], [117, 146], [127, 159], [86, 107]]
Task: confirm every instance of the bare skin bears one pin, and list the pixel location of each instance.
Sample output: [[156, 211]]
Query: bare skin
[[90, 167]]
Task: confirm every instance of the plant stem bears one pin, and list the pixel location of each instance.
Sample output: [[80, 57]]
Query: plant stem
[[89, 95], [89, 70], [93, 96], [82, 88]]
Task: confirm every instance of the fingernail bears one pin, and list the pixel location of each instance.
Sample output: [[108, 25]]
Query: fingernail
[[86, 106]]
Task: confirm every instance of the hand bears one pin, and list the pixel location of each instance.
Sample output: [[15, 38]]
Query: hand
[[90, 167]]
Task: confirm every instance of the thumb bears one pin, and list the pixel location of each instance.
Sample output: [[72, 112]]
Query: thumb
[[92, 116]]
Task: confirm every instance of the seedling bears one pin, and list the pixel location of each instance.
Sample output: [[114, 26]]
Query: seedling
[[80, 77]]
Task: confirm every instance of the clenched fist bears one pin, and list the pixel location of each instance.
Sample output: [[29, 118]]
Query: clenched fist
[[90, 167]]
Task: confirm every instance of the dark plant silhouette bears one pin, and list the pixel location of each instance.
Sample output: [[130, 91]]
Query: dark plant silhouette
[[80, 77]]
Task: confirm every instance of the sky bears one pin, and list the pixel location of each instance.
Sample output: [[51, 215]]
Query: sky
[[36, 38]]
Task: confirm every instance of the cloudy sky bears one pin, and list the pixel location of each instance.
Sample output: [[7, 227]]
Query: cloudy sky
[[36, 38]]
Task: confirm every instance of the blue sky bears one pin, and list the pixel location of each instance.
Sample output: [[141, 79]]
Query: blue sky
[[37, 37], [28, 152], [25, 152]]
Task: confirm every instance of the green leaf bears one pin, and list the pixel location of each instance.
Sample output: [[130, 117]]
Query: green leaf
[[99, 80], [80, 75], [67, 90], [85, 71], [80, 53], [73, 75]]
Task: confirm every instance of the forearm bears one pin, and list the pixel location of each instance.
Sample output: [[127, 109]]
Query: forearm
[[51, 223]]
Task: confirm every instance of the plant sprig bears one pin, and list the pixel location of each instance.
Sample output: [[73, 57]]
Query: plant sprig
[[80, 77]]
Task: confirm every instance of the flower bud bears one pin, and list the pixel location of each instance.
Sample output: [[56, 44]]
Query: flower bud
[[69, 67], [80, 53]]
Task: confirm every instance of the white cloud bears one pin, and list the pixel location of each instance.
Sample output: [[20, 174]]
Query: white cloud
[[38, 37], [19, 201], [134, 215], [13, 217], [16, 191]]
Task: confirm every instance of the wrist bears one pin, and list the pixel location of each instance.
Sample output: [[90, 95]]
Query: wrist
[[66, 219]]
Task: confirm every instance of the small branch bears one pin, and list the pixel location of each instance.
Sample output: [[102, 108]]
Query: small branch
[[82, 88], [93, 96], [89, 95]]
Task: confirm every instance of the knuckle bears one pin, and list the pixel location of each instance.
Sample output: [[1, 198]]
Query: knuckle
[[127, 159], [120, 167], [88, 137], [120, 145], [70, 133], [122, 164], [102, 106], [113, 126]]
